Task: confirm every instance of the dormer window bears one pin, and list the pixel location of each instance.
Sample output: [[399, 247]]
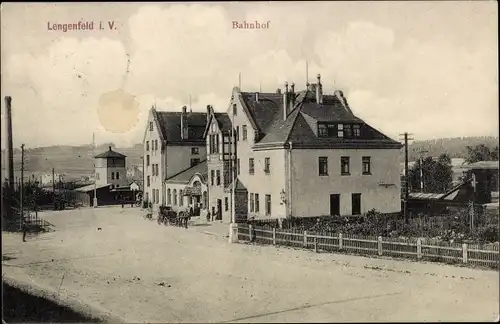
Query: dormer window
[[348, 131], [340, 130], [357, 130]]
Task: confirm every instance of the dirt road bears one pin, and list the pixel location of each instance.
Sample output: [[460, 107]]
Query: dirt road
[[139, 271]]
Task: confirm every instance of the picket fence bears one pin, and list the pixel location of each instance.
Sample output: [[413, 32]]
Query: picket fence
[[414, 248]]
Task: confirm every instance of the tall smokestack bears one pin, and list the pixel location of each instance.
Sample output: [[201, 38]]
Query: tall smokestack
[[183, 123], [285, 101], [9, 145]]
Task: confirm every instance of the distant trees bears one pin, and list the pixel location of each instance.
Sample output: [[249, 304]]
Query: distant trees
[[454, 147], [481, 152], [437, 174]]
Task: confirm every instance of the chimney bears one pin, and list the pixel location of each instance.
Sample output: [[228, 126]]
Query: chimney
[[292, 97], [278, 91], [319, 91], [285, 101], [257, 96], [9, 145], [340, 96], [183, 122], [209, 111], [110, 147]]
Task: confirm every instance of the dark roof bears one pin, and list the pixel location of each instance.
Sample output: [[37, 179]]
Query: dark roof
[[238, 186], [110, 154], [267, 113], [487, 165], [170, 125], [186, 175], [224, 121]]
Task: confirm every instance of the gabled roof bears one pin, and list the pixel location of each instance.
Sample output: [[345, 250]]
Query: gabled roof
[[169, 124], [186, 175], [110, 154], [223, 121], [267, 114], [238, 186], [486, 165], [91, 187]]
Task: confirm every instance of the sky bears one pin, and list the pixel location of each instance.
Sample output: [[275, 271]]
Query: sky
[[427, 68]]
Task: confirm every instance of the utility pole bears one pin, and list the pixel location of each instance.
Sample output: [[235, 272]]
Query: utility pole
[[22, 189], [95, 172], [422, 169], [54, 187], [407, 190]]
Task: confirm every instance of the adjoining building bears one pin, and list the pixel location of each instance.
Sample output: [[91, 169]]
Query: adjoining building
[[189, 189], [111, 184], [173, 142], [298, 154]]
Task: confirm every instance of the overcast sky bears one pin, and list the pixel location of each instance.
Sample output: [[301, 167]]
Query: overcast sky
[[429, 68]]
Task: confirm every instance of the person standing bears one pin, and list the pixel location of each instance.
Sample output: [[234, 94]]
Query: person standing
[[24, 227]]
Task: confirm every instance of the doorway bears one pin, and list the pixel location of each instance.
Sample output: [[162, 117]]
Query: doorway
[[219, 209], [335, 204], [356, 204]]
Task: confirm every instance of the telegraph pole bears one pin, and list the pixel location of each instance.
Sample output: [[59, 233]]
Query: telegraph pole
[[22, 188], [422, 169], [54, 187], [407, 190], [95, 173]]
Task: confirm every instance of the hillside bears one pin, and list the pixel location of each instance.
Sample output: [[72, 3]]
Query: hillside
[[454, 147], [77, 160]]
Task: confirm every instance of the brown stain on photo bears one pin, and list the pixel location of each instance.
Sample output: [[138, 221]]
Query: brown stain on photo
[[118, 111]]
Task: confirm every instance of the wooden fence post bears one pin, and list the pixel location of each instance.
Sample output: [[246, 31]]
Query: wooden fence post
[[464, 252], [315, 244], [305, 239], [340, 241], [380, 245], [274, 235], [419, 248]]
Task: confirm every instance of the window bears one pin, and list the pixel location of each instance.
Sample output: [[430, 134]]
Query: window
[[214, 128], [256, 203], [195, 162], [154, 195], [148, 181], [344, 163], [267, 165], [234, 109], [356, 130], [112, 176], [157, 196], [348, 131], [195, 150], [366, 165], [226, 204], [147, 146], [238, 166], [323, 166], [117, 175], [147, 160], [340, 130], [150, 126], [97, 176], [244, 131], [268, 205], [251, 203], [251, 166], [212, 176], [156, 145], [356, 204], [322, 130], [217, 143], [237, 133], [169, 197], [218, 177], [175, 197]]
